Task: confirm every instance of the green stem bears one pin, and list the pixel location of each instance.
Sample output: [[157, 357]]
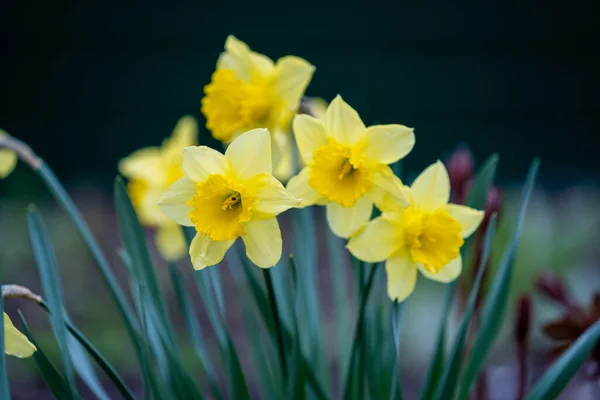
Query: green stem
[[358, 330], [276, 320]]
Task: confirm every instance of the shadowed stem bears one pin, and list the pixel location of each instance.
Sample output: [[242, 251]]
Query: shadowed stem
[[276, 320]]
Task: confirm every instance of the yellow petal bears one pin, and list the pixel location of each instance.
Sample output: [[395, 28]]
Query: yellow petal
[[272, 198], [170, 241], [301, 189], [310, 134], [376, 242], [200, 161], [237, 57], [262, 65], [448, 273], [263, 241], [343, 122], [184, 134], [292, 75], [401, 276], [282, 149], [15, 343], [388, 192], [431, 189], [205, 252], [147, 205], [173, 201], [145, 164], [250, 154], [8, 162], [468, 218], [389, 143], [345, 221]]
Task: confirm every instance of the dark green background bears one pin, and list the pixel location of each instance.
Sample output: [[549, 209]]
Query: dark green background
[[86, 83]]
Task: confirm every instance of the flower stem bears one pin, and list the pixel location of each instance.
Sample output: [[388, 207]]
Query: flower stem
[[276, 320]]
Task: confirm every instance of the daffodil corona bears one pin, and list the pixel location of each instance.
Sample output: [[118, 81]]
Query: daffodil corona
[[231, 195], [248, 90], [347, 165], [152, 170], [426, 235], [15, 343]]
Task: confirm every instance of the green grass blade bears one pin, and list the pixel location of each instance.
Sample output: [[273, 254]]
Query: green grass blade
[[297, 377], [4, 386], [358, 333], [97, 357], [195, 331], [556, 378], [84, 368], [56, 383], [475, 199], [447, 385], [65, 201], [239, 388], [278, 325], [47, 267], [496, 303], [396, 386], [135, 244]]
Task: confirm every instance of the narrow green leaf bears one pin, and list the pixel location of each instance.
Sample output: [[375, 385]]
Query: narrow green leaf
[[475, 199], [358, 332], [396, 386], [47, 267], [57, 385], [239, 388], [297, 379], [556, 378], [496, 303], [97, 356], [65, 201], [447, 385], [195, 331], [278, 326], [4, 386]]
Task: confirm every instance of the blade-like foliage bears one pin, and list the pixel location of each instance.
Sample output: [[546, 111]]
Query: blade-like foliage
[[496, 303], [4, 387]]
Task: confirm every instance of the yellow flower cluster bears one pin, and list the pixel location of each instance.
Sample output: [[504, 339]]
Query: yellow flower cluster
[[251, 105]]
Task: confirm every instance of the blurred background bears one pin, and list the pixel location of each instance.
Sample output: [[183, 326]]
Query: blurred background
[[87, 83]]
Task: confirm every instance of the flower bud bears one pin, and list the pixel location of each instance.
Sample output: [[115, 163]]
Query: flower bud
[[460, 168]]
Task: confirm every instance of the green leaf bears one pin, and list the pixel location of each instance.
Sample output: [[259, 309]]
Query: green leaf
[[239, 388], [97, 356], [556, 378], [47, 267], [447, 384], [65, 201], [358, 333], [496, 303], [278, 326], [57, 385], [475, 199], [195, 331], [4, 386], [396, 387], [297, 378]]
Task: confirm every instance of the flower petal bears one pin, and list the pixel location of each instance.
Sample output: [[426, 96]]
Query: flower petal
[[448, 273], [8, 162], [262, 65], [345, 221], [205, 252], [173, 201], [200, 161], [401, 276], [263, 241], [388, 192], [237, 57], [301, 189], [250, 154], [145, 164], [310, 135], [468, 218], [184, 134], [389, 143], [15, 343], [292, 75], [431, 189], [273, 198], [343, 122], [282, 149], [170, 242], [376, 242]]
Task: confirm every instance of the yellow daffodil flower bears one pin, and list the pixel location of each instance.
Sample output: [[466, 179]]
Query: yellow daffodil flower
[[347, 165], [152, 170], [229, 196], [15, 343], [426, 236], [248, 90], [8, 160]]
